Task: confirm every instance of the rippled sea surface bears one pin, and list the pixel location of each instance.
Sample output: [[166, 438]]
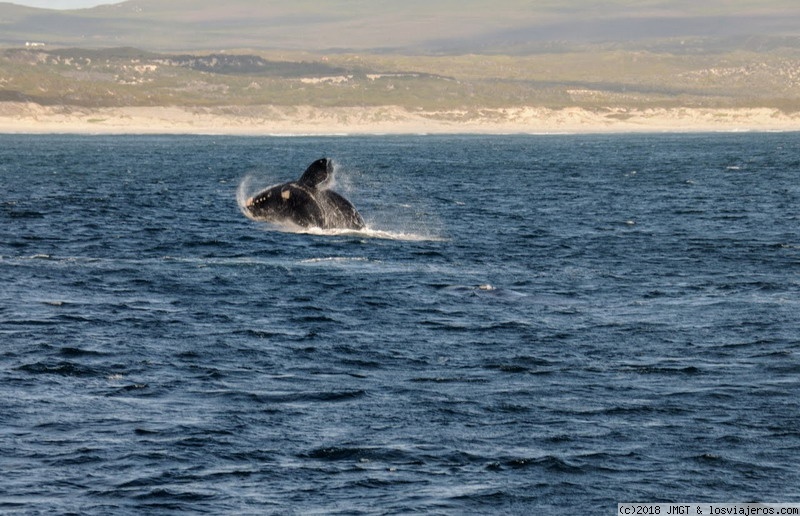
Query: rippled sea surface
[[529, 325]]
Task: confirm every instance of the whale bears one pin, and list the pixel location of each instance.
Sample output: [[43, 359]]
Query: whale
[[307, 202]]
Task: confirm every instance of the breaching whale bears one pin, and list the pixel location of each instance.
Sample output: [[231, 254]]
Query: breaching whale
[[306, 202]]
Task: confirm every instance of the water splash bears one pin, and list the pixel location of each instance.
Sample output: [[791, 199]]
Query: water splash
[[368, 232], [244, 191]]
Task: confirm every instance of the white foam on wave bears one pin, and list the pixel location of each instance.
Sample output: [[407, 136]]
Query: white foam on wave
[[335, 259], [367, 232]]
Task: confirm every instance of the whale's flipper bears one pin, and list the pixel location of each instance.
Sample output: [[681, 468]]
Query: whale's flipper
[[316, 174], [340, 213]]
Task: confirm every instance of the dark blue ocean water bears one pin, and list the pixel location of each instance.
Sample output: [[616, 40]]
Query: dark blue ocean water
[[530, 325]]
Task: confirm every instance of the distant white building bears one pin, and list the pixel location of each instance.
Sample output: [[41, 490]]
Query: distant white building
[[34, 44]]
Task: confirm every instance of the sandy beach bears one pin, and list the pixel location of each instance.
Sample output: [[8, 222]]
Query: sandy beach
[[30, 118]]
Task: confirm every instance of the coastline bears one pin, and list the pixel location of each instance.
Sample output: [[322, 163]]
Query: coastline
[[30, 118]]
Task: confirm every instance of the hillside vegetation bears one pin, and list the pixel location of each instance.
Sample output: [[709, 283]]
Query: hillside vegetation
[[669, 74]]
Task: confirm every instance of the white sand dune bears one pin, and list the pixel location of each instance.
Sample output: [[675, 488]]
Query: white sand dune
[[23, 118]]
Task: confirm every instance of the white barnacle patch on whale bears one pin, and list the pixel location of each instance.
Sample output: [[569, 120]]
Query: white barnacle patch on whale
[[286, 194]]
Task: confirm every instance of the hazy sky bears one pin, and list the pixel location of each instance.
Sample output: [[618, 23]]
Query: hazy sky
[[63, 4]]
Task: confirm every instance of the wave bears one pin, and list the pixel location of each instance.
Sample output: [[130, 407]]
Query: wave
[[335, 259]]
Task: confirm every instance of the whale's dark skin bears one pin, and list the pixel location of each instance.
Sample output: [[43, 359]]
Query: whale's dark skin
[[306, 202]]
